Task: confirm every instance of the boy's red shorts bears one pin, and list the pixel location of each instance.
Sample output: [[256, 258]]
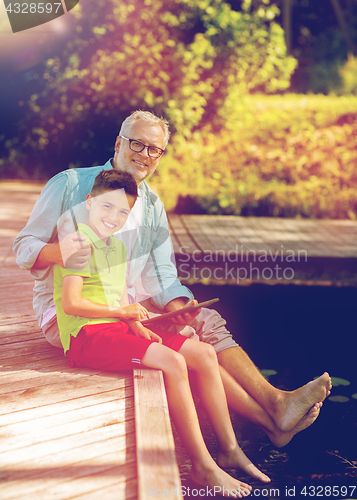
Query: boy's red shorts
[[111, 346]]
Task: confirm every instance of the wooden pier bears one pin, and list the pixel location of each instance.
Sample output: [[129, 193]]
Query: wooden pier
[[243, 250], [67, 432]]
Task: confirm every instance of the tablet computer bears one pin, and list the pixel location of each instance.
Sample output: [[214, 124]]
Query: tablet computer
[[185, 309]]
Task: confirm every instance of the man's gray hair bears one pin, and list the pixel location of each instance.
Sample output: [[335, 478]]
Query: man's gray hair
[[147, 117]]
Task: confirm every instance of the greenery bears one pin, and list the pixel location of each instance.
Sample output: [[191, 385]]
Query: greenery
[[209, 69], [286, 156], [320, 44], [348, 75], [188, 60]]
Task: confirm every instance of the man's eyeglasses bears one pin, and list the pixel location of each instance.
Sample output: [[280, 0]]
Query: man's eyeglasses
[[138, 147]]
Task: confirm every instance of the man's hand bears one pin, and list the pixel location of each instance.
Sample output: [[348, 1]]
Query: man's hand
[[75, 251], [185, 318], [135, 312], [140, 331]]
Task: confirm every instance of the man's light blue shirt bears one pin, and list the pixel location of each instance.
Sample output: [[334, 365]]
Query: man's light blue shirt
[[152, 257]]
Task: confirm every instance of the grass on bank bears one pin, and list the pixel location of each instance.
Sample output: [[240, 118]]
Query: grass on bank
[[284, 156]]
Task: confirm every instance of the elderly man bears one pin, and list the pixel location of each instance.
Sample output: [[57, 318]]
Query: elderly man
[[151, 273]]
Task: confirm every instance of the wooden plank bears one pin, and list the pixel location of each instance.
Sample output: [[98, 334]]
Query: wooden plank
[[89, 475], [32, 360], [291, 234], [36, 334], [174, 240], [157, 466], [183, 238], [18, 324], [196, 231], [27, 470], [17, 438], [320, 238], [19, 320], [127, 491], [35, 383], [41, 423], [59, 407], [316, 255], [258, 237], [26, 370], [87, 480], [40, 451], [232, 232], [86, 462], [18, 350], [40, 458], [105, 455], [62, 391]]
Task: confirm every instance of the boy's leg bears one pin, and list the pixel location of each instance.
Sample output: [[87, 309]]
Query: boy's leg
[[202, 359], [182, 410]]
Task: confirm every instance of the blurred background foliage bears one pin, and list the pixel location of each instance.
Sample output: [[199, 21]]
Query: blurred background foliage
[[279, 156], [219, 72], [323, 33]]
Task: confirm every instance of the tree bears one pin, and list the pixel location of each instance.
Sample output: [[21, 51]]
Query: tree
[[189, 60]]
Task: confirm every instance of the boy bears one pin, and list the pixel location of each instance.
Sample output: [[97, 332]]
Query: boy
[[99, 329]]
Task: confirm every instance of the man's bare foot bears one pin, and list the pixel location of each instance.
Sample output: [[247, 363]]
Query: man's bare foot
[[237, 459], [293, 406], [220, 482], [281, 438]]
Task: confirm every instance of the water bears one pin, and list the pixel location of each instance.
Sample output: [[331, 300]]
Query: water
[[299, 332]]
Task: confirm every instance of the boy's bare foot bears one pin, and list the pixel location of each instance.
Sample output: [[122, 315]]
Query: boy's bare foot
[[237, 459], [281, 438], [293, 406], [220, 482]]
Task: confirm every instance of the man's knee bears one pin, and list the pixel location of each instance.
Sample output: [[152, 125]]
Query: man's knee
[[211, 328]]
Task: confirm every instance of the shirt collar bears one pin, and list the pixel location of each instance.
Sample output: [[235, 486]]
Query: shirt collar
[[94, 238]]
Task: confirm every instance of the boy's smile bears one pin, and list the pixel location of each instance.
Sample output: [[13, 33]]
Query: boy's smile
[[108, 211]]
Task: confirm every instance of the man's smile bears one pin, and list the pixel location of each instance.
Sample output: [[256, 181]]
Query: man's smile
[[140, 163]]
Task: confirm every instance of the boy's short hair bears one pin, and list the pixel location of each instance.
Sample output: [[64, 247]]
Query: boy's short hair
[[110, 180]]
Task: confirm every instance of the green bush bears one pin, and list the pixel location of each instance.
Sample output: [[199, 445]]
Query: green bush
[[285, 156], [187, 60], [348, 74]]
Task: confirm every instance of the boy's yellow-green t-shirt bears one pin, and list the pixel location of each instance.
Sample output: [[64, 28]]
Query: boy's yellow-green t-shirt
[[104, 280]]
